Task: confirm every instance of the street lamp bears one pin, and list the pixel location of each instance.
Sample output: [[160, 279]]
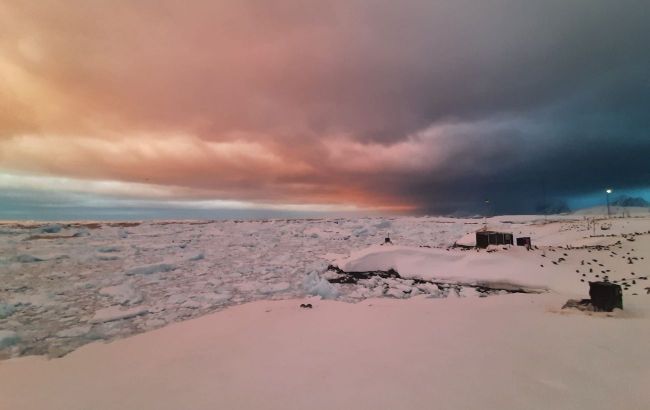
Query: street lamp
[[608, 191]]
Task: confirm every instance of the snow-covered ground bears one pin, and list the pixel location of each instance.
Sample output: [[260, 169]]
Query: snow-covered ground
[[445, 346], [503, 352]]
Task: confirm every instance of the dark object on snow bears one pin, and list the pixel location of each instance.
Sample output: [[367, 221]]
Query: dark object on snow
[[486, 238], [306, 305], [582, 304], [524, 241], [353, 277], [387, 240], [605, 296]]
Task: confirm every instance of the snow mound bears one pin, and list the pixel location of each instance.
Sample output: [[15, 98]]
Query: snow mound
[[511, 269], [469, 239]]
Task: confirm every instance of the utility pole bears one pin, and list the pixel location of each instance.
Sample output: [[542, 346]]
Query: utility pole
[[608, 191], [487, 208], [545, 203]]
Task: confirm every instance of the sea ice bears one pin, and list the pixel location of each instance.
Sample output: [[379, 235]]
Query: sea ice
[[149, 269], [8, 338], [27, 259], [6, 310], [197, 257], [275, 288], [52, 228], [113, 313], [109, 249], [73, 331], [315, 285], [124, 294]]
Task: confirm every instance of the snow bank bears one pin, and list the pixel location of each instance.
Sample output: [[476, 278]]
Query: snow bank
[[514, 268], [503, 352]]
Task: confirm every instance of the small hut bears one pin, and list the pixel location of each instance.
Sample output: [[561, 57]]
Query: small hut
[[524, 241], [487, 238]]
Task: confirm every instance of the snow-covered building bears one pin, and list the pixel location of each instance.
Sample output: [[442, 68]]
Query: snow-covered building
[[486, 238]]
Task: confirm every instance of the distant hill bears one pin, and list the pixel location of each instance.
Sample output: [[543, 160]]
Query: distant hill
[[628, 201]]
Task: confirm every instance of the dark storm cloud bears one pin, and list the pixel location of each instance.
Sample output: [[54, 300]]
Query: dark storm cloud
[[431, 104]]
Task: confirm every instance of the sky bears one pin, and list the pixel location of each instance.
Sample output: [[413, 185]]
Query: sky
[[122, 109]]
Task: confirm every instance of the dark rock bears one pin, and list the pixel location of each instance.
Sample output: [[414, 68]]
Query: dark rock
[[583, 304], [605, 296]]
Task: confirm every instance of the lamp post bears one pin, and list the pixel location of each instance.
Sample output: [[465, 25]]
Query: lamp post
[[608, 191]]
